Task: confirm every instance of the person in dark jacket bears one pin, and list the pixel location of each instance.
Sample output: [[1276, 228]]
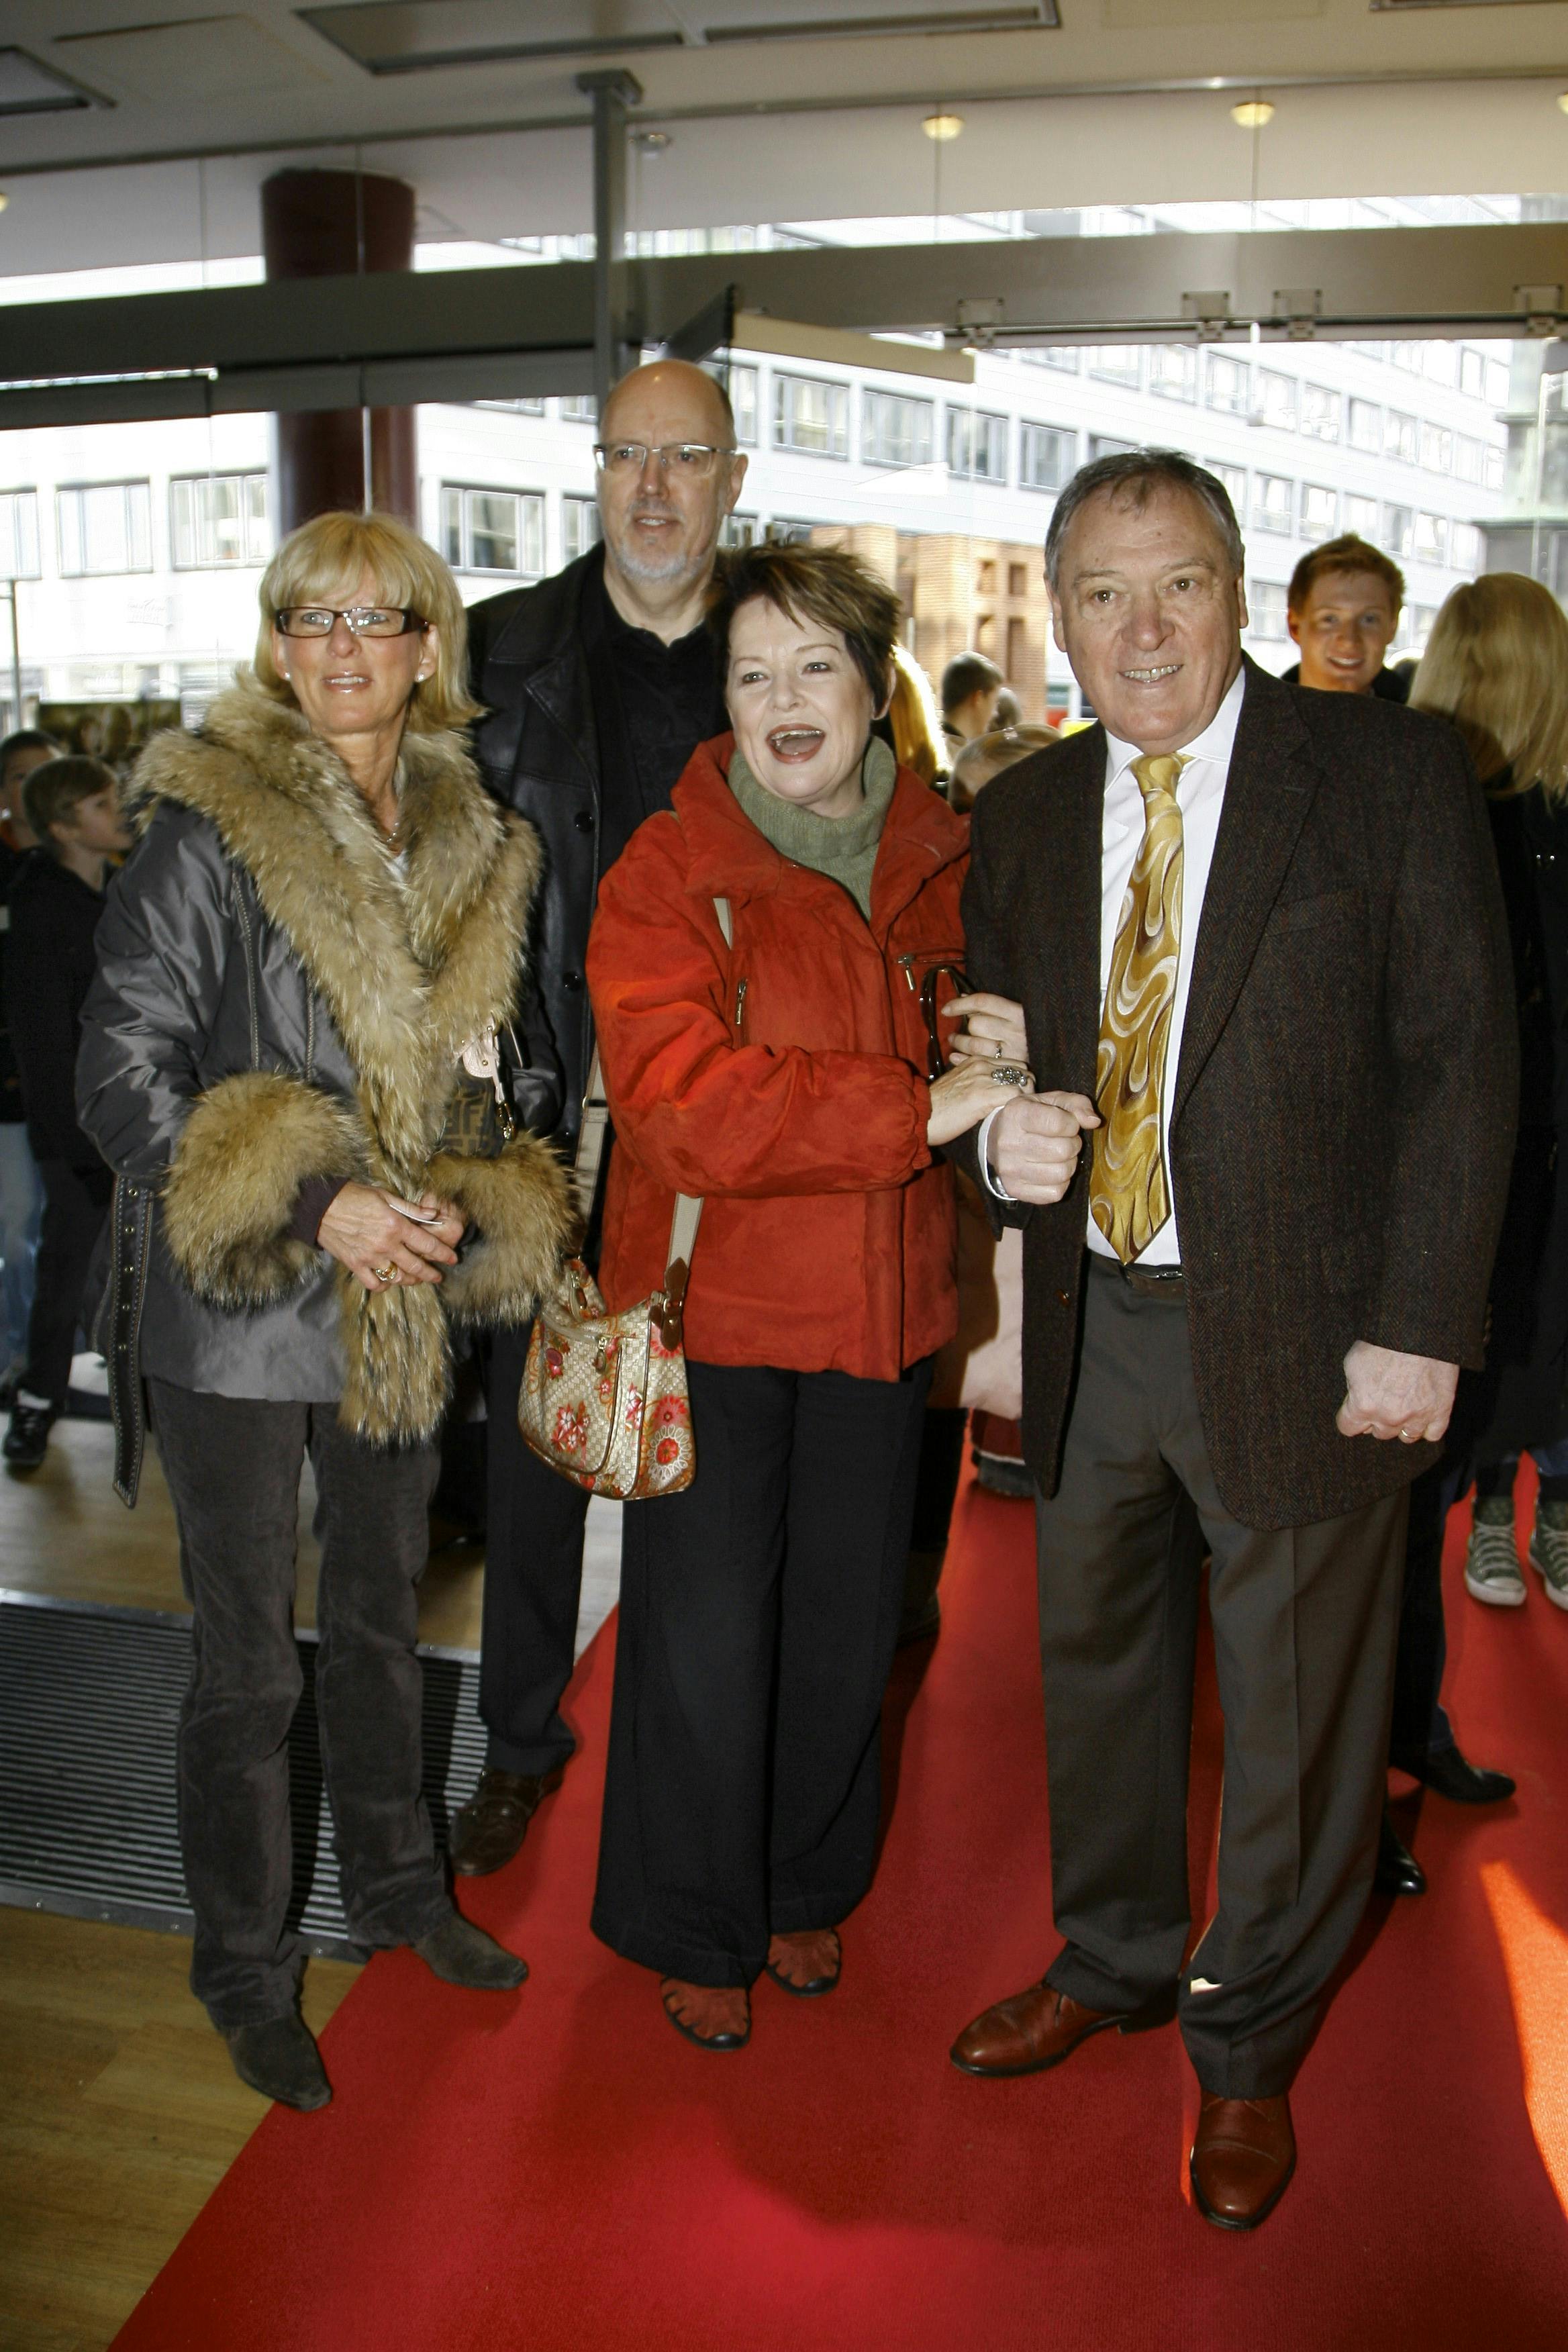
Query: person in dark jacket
[[597, 685], [1496, 665], [292, 1057], [72, 806], [21, 1194]]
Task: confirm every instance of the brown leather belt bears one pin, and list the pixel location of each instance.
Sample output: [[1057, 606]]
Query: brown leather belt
[[1166, 1282]]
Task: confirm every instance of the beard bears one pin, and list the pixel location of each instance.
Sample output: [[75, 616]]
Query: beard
[[650, 568]]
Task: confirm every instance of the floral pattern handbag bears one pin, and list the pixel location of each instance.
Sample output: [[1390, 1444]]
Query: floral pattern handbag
[[603, 1397]]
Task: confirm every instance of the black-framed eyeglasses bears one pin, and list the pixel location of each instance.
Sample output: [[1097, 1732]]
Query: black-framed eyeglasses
[[365, 620], [696, 458]]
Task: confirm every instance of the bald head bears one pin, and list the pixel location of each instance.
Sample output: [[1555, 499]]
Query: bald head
[[665, 384], [662, 513]]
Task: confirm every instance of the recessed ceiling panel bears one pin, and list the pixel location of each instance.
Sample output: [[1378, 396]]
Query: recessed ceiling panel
[[29, 87], [198, 58], [389, 36], [776, 20]]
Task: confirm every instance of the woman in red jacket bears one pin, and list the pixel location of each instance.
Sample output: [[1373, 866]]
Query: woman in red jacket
[[783, 1078]]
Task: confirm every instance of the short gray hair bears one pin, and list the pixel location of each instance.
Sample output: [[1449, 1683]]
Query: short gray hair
[[1140, 471]]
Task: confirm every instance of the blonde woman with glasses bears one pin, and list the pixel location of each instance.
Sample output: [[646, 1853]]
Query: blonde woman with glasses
[[1496, 665], [294, 1061]]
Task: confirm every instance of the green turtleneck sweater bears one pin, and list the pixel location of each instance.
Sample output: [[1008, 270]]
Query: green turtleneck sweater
[[842, 848]]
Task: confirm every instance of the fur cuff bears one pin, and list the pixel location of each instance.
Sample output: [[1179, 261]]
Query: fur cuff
[[249, 1145], [521, 1205]]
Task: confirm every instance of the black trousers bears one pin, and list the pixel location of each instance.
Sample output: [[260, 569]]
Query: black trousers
[[233, 1466], [1421, 1726], [1304, 1622], [76, 1201], [534, 1583], [758, 1613]]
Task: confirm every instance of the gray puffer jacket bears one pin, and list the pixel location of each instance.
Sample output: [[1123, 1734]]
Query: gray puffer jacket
[[275, 1004]]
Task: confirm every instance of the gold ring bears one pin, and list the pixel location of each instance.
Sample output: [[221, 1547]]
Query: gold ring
[[387, 1273]]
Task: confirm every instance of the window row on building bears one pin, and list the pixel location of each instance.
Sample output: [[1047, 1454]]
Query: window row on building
[[106, 528]]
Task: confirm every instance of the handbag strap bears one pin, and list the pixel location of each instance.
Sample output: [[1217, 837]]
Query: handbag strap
[[669, 1305]]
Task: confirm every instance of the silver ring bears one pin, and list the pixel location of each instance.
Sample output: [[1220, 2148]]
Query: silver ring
[[1010, 1073], [1405, 1437]]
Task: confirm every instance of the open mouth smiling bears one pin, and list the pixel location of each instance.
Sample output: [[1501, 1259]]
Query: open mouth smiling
[[1153, 677], [794, 743]]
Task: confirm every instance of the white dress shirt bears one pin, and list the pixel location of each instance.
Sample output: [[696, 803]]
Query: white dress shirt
[[1200, 797]]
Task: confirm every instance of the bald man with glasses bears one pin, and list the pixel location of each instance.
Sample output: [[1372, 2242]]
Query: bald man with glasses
[[598, 685]]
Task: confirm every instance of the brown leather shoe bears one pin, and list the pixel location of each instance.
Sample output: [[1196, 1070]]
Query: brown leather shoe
[[1039, 2027], [488, 1830], [1242, 2159]]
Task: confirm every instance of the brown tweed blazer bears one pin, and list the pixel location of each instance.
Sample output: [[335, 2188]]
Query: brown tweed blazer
[[1345, 1095]]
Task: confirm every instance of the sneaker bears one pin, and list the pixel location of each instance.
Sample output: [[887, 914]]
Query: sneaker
[[1492, 1572], [26, 1441], [1549, 1551]]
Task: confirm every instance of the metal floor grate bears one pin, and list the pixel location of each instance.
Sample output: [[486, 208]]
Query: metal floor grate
[[89, 1698]]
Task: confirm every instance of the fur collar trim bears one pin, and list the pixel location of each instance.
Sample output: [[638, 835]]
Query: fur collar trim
[[410, 969]]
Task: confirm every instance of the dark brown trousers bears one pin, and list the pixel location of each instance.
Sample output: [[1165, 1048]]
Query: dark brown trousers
[[1304, 1624]]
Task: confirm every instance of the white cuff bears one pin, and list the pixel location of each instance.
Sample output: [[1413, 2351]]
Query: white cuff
[[992, 1181]]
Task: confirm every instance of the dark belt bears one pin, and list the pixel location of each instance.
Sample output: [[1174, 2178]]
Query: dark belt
[[1143, 1281], [131, 1224]]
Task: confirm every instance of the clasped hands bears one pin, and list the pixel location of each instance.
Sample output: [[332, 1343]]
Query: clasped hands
[[384, 1240], [1034, 1143]]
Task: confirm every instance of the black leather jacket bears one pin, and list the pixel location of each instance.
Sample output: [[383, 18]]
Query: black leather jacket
[[538, 751]]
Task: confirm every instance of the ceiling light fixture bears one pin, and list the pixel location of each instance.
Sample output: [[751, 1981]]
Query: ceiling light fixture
[[4, 200], [652, 142], [1563, 100], [1252, 114], [942, 127]]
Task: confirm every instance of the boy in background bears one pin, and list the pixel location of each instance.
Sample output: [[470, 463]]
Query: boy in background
[[72, 806]]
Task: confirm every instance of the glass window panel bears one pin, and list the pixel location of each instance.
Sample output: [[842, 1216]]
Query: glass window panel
[[1495, 375], [1431, 538], [1366, 427], [579, 526], [1321, 410], [1398, 530], [580, 408], [1401, 436], [1436, 447], [1469, 457], [1102, 445], [105, 528], [1060, 356], [1362, 518], [1116, 363], [1046, 456], [1319, 512], [1464, 547], [452, 527], [811, 416], [1277, 399], [1273, 498], [491, 531], [1229, 385], [743, 401], [739, 530], [1235, 481], [217, 519], [1174, 371], [1491, 469], [1406, 356], [895, 431], [1266, 609], [977, 445], [19, 535], [1472, 373], [1440, 363]]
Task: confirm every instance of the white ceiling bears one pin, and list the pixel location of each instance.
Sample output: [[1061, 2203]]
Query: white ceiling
[[1107, 108]]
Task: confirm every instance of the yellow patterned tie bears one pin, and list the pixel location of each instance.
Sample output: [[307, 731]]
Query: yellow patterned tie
[[1129, 1197]]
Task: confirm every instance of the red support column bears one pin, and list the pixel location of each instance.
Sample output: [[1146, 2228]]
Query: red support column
[[335, 225]]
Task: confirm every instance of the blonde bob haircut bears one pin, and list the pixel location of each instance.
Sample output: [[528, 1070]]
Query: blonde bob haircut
[[323, 562], [1496, 665]]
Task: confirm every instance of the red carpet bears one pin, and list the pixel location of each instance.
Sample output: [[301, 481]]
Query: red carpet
[[558, 2171]]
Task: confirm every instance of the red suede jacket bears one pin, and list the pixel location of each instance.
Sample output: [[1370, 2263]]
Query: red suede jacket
[[781, 1079]]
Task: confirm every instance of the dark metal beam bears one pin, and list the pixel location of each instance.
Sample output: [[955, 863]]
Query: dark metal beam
[[502, 333]]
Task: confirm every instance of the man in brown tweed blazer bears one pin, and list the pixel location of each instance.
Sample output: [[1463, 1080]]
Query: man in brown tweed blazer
[[1259, 940]]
